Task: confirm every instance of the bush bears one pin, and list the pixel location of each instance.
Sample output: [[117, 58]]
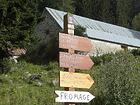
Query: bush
[[116, 79], [117, 82], [43, 52], [80, 31], [5, 65], [98, 60], [135, 52]]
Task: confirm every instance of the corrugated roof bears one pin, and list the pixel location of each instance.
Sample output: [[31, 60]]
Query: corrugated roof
[[101, 30]]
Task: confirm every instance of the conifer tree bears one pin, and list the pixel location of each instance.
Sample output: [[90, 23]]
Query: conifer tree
[[83, 8], [96, 9], [136, 22], [107, 12], [17, 21], [64, 5], [125, 12]]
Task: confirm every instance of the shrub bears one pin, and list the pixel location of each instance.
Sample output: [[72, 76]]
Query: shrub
[[5, 65], [98, 60], [43, 52], [80, 31], [117, 82], [135, 52]]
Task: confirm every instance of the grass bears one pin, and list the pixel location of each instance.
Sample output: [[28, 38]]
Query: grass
[[116, 79], [28, 84]]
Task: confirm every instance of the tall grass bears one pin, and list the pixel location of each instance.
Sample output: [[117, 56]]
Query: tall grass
[[28, 84], [116, 76]]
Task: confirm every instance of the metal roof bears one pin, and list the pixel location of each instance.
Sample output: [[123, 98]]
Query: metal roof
[[100, 30]]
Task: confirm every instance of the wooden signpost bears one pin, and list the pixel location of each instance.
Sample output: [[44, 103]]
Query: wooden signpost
[[67, 41], [73, 96], [71, 61], [76, 80], [75, 61]]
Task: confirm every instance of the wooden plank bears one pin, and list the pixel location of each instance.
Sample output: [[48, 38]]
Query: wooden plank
[[76, 61], [67, 41], [76, 80], [73, 96]]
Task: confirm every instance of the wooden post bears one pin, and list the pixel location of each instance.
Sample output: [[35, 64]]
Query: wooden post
[[69, 29], [69, 79], [124, 47]]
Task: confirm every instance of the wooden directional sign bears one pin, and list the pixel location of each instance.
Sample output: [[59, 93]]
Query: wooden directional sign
[[76, 80], [74, 42], [73, 96], [76, 61]]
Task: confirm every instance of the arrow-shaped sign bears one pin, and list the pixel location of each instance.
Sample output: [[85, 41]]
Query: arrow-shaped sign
[[76, 80], [76, 61], [67, 41], [73, 96]]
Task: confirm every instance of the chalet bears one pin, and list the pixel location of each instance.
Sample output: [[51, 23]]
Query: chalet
[[106, 37]]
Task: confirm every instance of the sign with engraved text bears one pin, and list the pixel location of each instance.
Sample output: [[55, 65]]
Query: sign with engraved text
[[73, 96], [76, 80], [76, 61], [67, 41], [71, 61]]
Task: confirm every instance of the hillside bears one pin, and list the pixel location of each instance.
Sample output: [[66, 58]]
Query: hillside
[[116, 79]]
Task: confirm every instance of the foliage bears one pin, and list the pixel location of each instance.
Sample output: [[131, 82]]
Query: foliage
[[99, 60], [136, 22], [28, 84], [79, 30], [107, 11], [116, 76], [120, 12], [117, 81], [96, 6], [83, 8], [44, 52], [125, 12], [135, 52], [5, 65], [18, 19], [64, 5]]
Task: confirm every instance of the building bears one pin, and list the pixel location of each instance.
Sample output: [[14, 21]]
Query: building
[[106, 37]]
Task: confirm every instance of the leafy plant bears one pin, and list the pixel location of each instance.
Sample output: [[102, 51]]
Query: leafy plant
[[80, 31], [117, 81]]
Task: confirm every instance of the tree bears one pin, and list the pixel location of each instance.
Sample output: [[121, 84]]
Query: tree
[[107, 11], [136, 22], [137, 6], [64, 5], [67, 6], [18, 19], [83, 8], [80, 31], [125, 12]]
